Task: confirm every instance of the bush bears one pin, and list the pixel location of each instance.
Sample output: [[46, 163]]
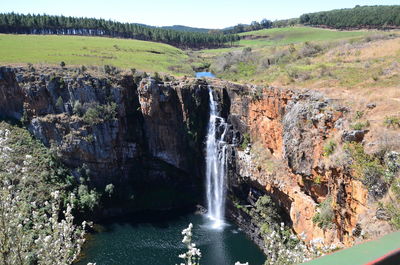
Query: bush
[[157, 77], [360, 125], [358, 115], [78, 108], [60, 104], [309, 50], [392, 121], [87, 199], [329, 148], [246, 141], [367, 168], [325, 216], [111, 70], [96, 113], [109, 189]]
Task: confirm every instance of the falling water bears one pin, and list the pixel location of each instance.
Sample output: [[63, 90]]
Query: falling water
[[216, 165]]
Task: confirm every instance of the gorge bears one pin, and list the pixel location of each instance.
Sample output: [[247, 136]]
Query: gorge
[[147, 138]]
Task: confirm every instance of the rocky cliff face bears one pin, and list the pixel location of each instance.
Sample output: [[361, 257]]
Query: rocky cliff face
[[147, 138], [286, 158], [142, 137]]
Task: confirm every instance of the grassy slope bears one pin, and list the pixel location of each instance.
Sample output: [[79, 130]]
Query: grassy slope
[[284, 36], [290, 35], [76, 50]]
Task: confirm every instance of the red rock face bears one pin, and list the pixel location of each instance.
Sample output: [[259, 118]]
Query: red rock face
[[294, 127]]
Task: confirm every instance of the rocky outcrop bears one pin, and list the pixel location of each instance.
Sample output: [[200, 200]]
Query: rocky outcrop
[[147, 138], [11, 96], [289, 131], [133, 135]]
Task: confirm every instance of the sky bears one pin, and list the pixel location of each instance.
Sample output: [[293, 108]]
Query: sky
[[204, 13]]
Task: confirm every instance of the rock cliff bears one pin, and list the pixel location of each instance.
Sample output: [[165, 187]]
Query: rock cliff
[[147, 138], [286, 158]]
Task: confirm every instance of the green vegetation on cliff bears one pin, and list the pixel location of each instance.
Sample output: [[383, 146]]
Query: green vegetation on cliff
[[37, 197]]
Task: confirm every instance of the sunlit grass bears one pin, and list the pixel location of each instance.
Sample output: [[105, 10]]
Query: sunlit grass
[[78, 50]]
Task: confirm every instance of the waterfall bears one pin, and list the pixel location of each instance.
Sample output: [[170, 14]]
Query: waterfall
[[216, 165]]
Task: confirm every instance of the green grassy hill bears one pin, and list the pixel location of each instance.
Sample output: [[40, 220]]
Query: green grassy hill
[[291, 35], [78, 50]]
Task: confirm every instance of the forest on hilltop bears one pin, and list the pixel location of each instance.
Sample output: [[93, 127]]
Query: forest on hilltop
[[357, 17], [46, 24]]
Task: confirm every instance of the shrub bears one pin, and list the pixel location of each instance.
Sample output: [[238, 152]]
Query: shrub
[[324, 217], [309, 50], [246, 141], [62, 64], [392, 121], [93, 116], [157, 77], [60, 104], [78, 108], [360, 125], [109, 189], [111, 70], [96, 113], [358, 115], [329, 148], [367, 168]]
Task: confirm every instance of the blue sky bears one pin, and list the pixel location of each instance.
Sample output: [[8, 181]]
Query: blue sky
[[205, 13]]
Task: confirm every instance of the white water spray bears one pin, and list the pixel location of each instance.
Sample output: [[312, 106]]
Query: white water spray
[[216, 165]]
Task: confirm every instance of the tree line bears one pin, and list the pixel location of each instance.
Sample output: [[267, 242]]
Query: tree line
[[255, 25], [47, 24], [357, 17]]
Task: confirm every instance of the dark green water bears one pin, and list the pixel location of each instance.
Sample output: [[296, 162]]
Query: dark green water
[[159, 243]]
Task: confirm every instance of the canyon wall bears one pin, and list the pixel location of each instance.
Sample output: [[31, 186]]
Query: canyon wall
[[147, 138], [284, 134]]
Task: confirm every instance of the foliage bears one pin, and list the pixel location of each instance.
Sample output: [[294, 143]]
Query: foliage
[[109, 189], [360, 125], [324, 217], [60, 104], [97, 113], [34, 187], [265, 212], [31, 235], [62, 64], [359, 16], [367, 168], [359, 114], [46, 24], [110, 70], [255, 25], [246, 141], [78, 108], [309, 50], [393, 206], [392, 121], [87, 198], [329, 147]]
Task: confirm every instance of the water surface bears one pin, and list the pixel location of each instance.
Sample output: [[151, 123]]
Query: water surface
[[159, 243], [204, 74]]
